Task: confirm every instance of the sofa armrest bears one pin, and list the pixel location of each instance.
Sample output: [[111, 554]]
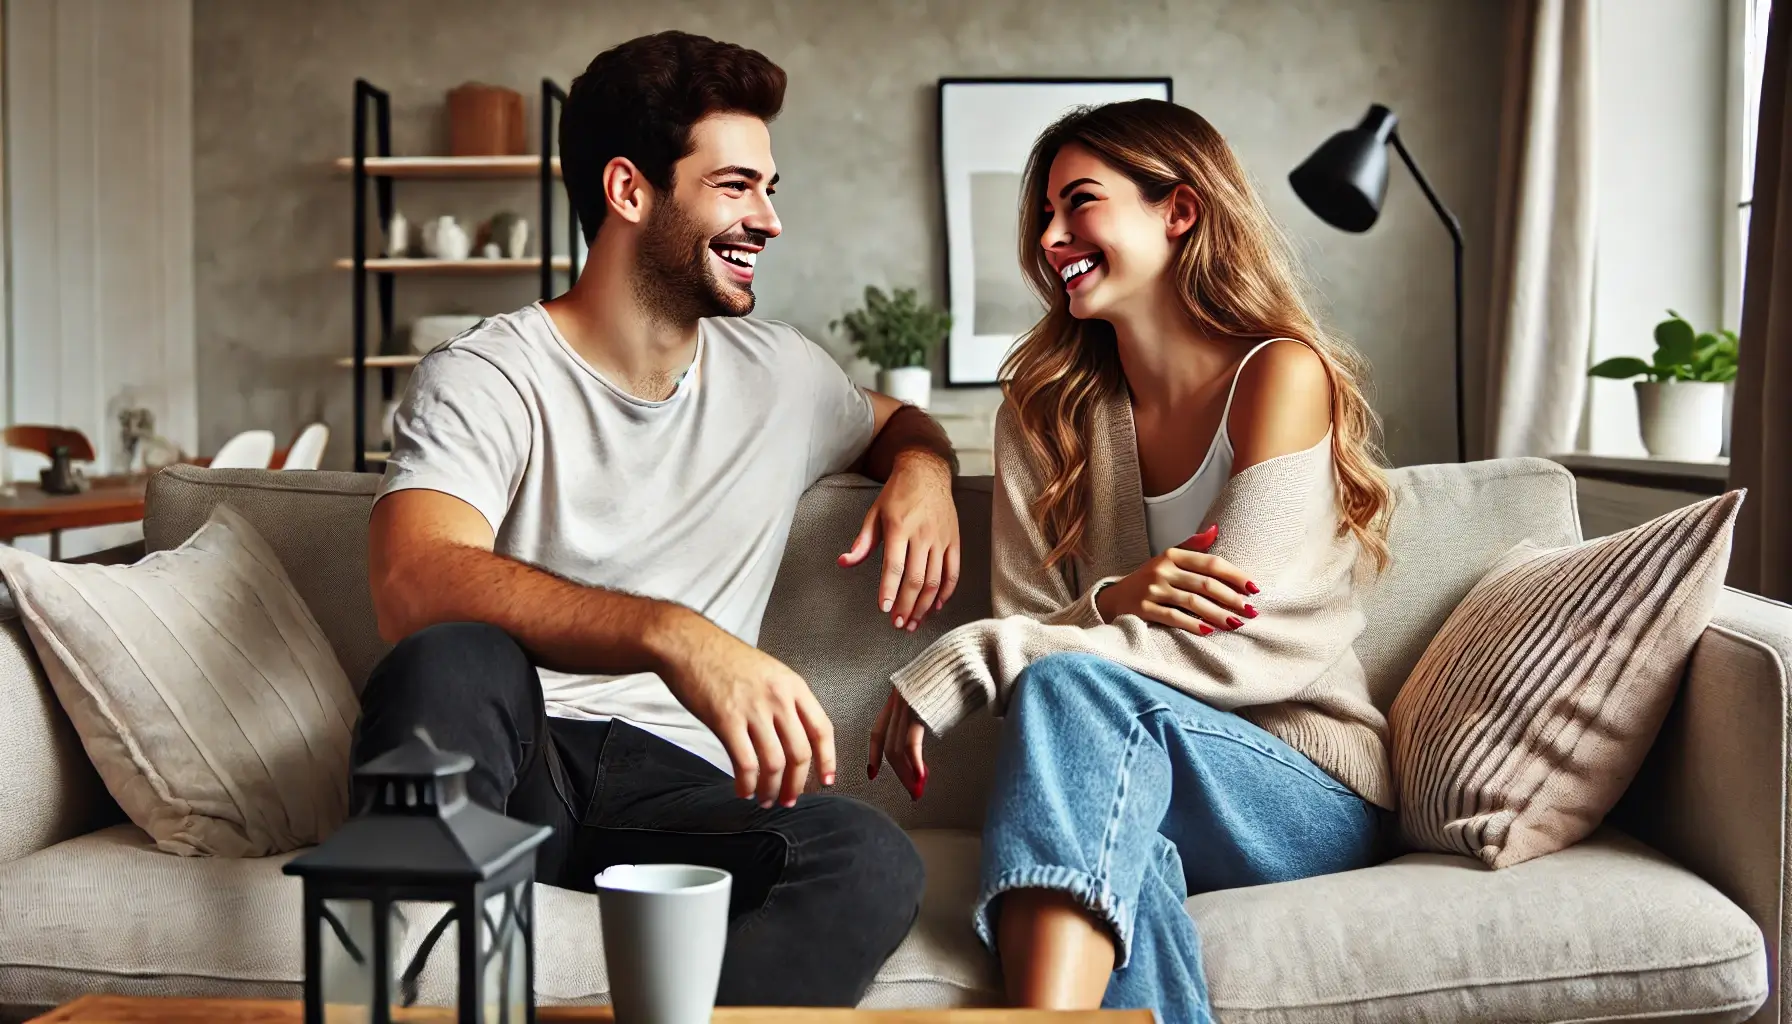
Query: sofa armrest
[[1713, 792], [49, 790]]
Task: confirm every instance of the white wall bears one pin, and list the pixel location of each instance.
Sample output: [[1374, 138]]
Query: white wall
[[100, 191], [1663, 84]]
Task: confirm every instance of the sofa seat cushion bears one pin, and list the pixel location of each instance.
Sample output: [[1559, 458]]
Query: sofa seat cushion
[[108, 912], [1608, 930]]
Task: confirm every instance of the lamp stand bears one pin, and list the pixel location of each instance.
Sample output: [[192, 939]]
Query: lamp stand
[[1455, 229]]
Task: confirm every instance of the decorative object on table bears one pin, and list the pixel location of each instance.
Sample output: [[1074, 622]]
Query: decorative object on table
[[490, 251], [1533, 707], [420, 855], [427, 332], [201, 687], [62, 476], [398, 236], [1682, 407], [665, 927], [445, 239], [1345, 181], [484, 120], [987, 128], [899, 334], [145, 450]]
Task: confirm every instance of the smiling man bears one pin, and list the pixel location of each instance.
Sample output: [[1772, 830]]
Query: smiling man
[[581, 521]]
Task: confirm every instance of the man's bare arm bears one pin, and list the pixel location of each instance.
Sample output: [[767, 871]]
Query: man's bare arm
[[430, 561]]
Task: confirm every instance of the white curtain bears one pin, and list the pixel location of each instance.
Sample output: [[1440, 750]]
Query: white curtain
[[1542, 295]]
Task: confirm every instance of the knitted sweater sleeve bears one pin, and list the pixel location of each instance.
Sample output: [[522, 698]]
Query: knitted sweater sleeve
[[1277, 520]]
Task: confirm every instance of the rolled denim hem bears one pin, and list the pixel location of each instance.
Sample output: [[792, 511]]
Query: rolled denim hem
[[1085, 888]]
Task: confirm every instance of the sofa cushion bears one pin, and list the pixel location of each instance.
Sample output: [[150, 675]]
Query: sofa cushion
[[108, 912], [316, 522], [202, 689], [1536, 702], [1608, 930]]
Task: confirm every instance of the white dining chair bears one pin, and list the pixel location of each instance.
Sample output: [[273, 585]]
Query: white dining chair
[[251, 449], [307, 451]]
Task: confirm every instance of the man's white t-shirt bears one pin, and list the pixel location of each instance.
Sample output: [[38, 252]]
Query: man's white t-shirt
[[687, 500]]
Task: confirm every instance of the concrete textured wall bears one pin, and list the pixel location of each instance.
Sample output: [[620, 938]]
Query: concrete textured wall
[[856, 145]]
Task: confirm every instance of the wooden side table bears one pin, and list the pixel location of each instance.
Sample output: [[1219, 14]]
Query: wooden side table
[[151, 1010]]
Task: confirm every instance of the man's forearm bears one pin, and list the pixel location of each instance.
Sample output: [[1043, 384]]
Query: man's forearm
[[564, 625], [909, 431]]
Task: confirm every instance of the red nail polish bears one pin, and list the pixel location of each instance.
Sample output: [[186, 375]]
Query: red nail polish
[[871, 771], [1234, 621], [828, 779], [1249, 612], [1204, 629], [1249, 587]]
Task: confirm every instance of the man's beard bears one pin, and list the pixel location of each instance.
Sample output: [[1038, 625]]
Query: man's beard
[[674, 281]]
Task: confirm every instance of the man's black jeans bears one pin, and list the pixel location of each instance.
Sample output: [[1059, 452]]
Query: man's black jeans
[[823, 891]]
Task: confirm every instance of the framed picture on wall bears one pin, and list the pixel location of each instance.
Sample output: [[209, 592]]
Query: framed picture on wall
[[987, 127]]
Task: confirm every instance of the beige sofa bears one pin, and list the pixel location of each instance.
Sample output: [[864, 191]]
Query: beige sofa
[[1662, 920]]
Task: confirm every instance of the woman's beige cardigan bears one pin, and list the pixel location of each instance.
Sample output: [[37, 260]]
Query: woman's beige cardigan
[[1291, 670]]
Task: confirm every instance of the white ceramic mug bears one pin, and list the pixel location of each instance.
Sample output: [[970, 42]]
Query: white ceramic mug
[[665, 927]]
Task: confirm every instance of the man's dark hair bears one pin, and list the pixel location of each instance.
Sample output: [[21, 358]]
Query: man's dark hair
[[639, 101]]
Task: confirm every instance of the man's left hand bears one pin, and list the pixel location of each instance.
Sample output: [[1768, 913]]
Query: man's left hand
[[918, 522]]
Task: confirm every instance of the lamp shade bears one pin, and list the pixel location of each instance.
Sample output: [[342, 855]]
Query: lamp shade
[[1346, 178]]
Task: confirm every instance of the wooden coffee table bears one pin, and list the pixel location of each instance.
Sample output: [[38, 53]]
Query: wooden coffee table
[[149, 1010]]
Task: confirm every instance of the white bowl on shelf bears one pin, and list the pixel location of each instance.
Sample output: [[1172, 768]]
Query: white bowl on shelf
[[429, 331]]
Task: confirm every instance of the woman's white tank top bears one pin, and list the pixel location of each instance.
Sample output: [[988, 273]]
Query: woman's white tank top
[[1173, 518]]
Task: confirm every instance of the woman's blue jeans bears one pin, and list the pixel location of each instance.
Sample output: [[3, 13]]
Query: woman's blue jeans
[[1130, 796]]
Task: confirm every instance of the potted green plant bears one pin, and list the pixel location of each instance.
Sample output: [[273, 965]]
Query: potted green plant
[[1680, 403], [898, 332]]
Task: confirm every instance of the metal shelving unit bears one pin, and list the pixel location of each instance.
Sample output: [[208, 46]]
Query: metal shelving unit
[[373, 162]]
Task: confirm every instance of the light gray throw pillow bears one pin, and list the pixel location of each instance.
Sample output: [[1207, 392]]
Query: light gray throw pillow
[[201, 687]]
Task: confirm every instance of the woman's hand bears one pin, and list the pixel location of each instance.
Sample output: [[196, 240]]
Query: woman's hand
[[1184, 587], [897, 736]]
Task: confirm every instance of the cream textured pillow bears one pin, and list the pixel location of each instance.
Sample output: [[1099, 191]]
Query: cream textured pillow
[[201, 687], [1535, 704]]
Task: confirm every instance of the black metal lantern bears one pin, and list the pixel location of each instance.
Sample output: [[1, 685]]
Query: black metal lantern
[[420, 858]]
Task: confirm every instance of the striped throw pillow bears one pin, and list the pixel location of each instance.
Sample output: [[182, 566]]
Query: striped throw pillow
[[1535, 704], [202, 689]]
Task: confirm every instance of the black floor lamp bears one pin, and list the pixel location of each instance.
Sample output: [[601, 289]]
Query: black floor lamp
[[1344, 182]]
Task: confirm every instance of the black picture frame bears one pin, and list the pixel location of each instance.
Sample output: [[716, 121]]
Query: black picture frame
[[972, 369]]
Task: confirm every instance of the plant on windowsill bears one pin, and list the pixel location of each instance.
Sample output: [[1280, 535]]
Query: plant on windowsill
[[1681, 404], [899, 333]]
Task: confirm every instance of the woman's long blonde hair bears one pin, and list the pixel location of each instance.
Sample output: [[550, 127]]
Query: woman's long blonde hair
[[1237, 280]]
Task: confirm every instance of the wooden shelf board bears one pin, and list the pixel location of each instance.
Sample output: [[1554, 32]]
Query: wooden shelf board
[[467, 266], [380, 362], [525, 166]]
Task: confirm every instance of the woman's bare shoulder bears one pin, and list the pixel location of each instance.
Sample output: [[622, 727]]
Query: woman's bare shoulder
[[1283, 404]]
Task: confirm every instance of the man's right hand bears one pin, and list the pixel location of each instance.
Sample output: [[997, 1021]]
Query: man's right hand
[[765, 715]]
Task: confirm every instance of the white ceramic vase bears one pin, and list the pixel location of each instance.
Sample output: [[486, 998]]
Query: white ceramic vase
[[445, 239], [1681, 420], [911, 384]]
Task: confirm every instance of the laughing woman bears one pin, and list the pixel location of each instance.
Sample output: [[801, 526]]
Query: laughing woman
[[1185, 487]]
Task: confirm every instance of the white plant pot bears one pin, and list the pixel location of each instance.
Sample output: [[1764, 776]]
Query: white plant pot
[[911, 384], [1681, 419]]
